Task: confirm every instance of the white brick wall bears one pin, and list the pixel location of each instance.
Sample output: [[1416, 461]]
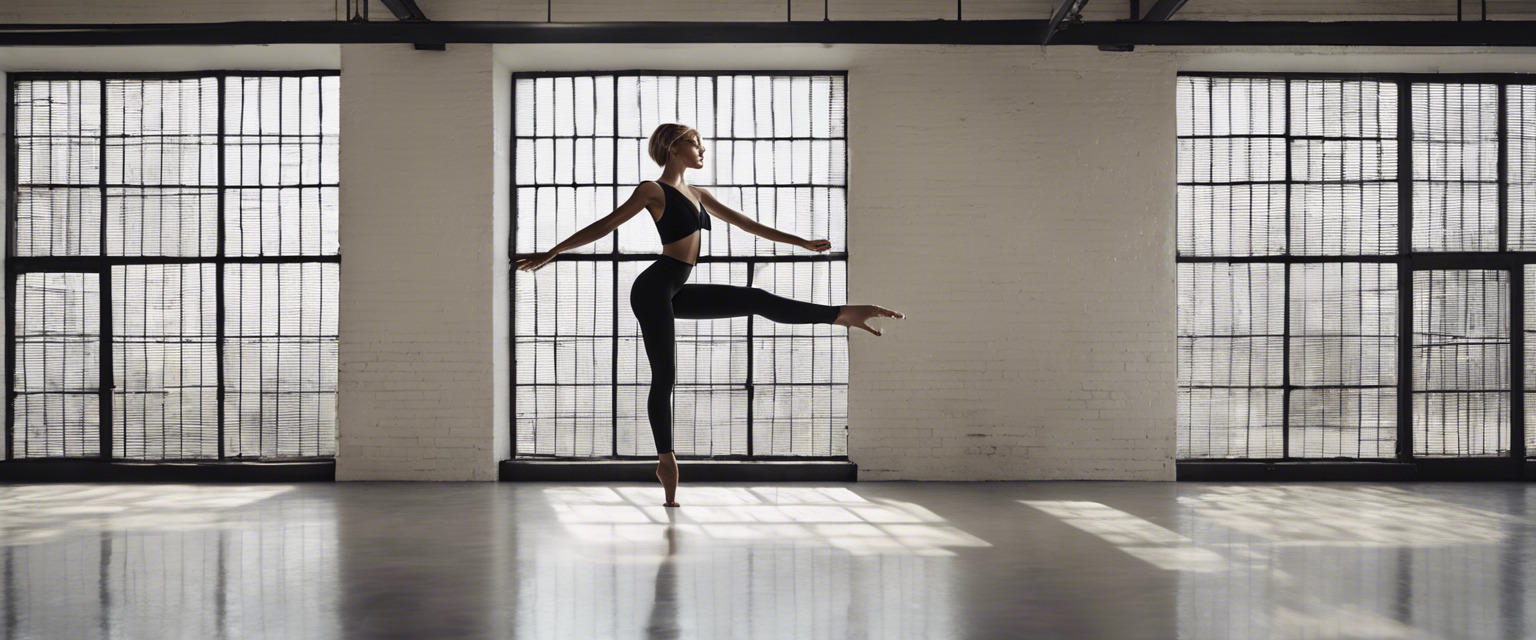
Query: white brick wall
[[416, 220], [1017, 206]]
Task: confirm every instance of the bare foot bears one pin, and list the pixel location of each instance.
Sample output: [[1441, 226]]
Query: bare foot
[[858, 315], [666, 472]]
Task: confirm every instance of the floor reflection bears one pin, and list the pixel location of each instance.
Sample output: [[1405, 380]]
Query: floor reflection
[[831, 516], [1347, 561], [741, 562], [1152, 544], [878, 560], [36, 513], [664, 602], [1356, 516], [165, 561]]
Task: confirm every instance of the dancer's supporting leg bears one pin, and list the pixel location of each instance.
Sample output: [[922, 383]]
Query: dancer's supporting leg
[[651, 299]]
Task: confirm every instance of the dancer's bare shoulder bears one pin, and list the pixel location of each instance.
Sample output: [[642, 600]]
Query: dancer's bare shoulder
[[654, 199]]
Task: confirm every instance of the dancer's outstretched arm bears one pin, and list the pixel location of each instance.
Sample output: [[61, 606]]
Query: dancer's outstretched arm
[[848, 315], [737, 218], [643, 196]]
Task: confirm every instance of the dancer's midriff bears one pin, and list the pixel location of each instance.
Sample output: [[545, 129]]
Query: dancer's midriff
[[686, 250]]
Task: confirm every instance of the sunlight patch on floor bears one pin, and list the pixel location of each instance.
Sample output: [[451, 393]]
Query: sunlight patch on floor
[[1346, 516], [831, 516], [35, 513], [1140, 538]]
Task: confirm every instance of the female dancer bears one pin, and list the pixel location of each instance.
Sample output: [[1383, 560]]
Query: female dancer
[[659, 294]]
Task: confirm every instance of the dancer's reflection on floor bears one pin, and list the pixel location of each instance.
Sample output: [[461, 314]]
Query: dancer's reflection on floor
[[663, 622]]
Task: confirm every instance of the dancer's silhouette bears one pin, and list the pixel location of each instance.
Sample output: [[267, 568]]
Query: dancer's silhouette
[[660, 293]]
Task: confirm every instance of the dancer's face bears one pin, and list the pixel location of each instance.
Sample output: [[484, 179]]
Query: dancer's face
[[690, 151]]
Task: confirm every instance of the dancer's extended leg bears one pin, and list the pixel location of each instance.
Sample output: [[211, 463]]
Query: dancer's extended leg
[[708, 301], [705, 301]]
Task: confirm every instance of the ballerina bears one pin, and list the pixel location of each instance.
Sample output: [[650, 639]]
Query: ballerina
[[660, 293]]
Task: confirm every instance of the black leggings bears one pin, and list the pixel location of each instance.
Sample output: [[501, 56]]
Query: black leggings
[[659, 295]]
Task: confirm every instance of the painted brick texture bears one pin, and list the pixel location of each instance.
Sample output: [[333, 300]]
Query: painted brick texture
[[1018, 207], [415, 360]]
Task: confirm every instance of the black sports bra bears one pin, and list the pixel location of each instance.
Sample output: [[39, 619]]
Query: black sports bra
[[676, 226]]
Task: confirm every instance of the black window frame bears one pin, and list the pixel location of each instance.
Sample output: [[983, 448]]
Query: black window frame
[[615, 257], [102, 265], [1408, 261]]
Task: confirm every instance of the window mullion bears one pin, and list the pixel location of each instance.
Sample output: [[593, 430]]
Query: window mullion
[[1285, 302], [10, 272], [613, 169], [104, 420], [220, 257], [1404, 270]]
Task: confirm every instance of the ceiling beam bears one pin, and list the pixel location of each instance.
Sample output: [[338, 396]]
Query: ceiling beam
[[978, 32]]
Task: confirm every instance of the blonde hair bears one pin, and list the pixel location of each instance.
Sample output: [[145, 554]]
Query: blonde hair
[[664, 137]]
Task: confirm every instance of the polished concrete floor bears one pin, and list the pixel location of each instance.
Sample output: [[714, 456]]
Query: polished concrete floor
[[869, 560]]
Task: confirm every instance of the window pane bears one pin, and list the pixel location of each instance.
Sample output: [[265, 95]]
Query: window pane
[[1343, 326], [176, 221], [58, 222], [281, 148], [165, 362], [800, 420], [163, 132], [1344, 200], [1229, 154], [1455, 167], [1461, 363], [58, 360], [57, 132], [1521, 151], [1231, 337], [280, 364], [1530, 370]]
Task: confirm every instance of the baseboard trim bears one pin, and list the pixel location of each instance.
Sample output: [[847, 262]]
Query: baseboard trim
[[212, 471], [1427, 470]]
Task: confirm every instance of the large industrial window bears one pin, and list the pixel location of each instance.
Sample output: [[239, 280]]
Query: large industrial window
[[745, 387], [1353, 266], [172, 266]]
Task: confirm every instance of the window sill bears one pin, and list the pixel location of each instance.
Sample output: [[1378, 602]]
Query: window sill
[[524, 470]]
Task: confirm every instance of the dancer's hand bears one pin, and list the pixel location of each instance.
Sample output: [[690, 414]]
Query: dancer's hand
[[533, 262], [815, 245]]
